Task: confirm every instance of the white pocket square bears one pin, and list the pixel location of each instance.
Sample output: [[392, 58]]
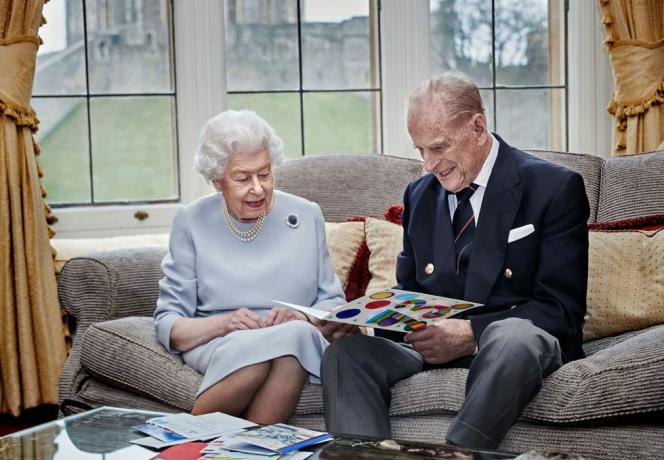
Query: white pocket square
[[520, 232]]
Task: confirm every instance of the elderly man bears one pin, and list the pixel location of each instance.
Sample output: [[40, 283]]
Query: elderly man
[[491, 224]]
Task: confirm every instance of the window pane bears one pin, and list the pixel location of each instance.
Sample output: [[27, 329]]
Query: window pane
[[487, 97], [261, 45], [341, 122], [133, 148], [281, 111], [63, 137], [461, 38], [336, 45], [529, 50], [129, 46], [542, 128], [61, 59]]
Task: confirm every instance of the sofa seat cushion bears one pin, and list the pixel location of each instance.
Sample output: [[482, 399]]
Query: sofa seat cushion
[[125, 353], [620, 380], [600, 387]]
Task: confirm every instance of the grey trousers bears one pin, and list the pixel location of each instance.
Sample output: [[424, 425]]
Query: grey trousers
[[514, 356]]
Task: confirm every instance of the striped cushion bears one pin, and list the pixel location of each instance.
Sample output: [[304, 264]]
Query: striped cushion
[[632, 186]]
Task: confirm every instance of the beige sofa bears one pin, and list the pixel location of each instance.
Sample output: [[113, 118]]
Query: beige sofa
[[608, 405]]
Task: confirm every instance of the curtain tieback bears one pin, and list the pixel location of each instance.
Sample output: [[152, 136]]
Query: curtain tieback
[[17, 62], [638, 70]]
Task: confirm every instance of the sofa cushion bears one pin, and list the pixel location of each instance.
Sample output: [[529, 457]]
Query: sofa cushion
[[651, 222], [599, 387], [620, 380], [125, 353], [590, 168], [625, 282], [385, 242], [344, 240], [632, 186]]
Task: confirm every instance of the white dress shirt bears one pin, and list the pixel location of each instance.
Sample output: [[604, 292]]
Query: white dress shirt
[[481, 181]]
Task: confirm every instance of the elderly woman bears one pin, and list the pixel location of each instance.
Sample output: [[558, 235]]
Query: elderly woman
[[230, 253]]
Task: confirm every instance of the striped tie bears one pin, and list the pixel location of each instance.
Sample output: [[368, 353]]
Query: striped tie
[[463, 227]]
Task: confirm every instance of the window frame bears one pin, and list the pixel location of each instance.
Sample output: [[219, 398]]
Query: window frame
[[404, 27], [200, 94]]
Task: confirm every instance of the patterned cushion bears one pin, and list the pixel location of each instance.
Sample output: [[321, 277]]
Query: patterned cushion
[[344, 240], [385, 242], [625, 282]]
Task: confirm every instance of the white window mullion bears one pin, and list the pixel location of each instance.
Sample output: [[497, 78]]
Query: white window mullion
[[405, 44], [201, 81], [590, 82]]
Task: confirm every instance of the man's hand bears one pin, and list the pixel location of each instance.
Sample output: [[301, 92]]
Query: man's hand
[[444, 342], [278, 315], [241, 319], [333, 330]]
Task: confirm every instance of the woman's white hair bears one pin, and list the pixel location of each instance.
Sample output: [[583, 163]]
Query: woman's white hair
[[234, 132]]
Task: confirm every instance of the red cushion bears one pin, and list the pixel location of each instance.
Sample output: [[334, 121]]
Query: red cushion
[[647, 223], [359, 275], [393, 213]]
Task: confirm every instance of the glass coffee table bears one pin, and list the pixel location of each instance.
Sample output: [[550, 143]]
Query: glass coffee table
[[346, 448], [104, 432]]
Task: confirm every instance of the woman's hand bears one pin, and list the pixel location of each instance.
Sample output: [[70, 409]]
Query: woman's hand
[[278, 315], [242, 319]]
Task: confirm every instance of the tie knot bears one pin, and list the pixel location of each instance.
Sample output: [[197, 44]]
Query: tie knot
[[466, 193]]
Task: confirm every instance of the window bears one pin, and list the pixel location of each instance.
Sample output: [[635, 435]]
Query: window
[[515, 51], [310, 68], [104, 91]]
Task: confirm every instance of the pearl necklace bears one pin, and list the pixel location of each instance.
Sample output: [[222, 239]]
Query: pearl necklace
[[243, 235]]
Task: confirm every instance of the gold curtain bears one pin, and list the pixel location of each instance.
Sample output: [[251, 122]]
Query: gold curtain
[[635, 42], [32, 347]]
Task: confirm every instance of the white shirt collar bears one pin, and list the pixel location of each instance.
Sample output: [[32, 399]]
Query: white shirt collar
[[482, 178]]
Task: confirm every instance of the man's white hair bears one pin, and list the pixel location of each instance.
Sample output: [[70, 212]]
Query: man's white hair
[[452, 93], [234, 132]]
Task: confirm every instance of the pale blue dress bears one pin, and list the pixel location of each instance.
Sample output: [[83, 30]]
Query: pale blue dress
[[207, 271]]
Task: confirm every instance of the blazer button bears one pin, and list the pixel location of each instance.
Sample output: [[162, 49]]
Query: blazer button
[[508, 273], [429, 268]]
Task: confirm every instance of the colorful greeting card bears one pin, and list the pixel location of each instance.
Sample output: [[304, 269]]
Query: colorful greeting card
[[392, 309]]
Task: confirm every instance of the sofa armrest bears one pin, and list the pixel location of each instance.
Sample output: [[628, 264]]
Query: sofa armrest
[[110, 285]]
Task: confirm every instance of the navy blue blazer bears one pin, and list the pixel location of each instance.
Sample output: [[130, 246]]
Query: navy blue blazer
[[549, 268]]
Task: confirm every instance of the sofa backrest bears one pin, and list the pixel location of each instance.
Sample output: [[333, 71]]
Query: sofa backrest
[[346, 185], [590, 168], [632, 186]]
